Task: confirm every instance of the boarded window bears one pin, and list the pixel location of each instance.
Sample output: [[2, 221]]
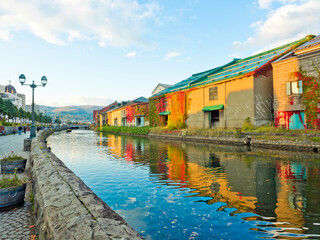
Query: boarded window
[[213, 93]]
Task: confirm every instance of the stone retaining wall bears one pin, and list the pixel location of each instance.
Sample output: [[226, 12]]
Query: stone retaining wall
[[65, 207], [230, 139], [283, 145]]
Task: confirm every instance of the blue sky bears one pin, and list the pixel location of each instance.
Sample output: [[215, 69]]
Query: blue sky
[[96, 51]]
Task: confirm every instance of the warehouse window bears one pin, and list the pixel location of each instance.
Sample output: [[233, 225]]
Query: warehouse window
[[213, 93], [294, 87]]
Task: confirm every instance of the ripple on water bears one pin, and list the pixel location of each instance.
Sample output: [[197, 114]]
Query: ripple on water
[[176, 190]]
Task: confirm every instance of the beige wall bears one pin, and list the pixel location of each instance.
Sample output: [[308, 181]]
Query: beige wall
[[116, 114], [239, 101], [237, 97], [263, 100]]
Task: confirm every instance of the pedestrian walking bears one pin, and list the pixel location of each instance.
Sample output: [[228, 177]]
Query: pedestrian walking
[[20, 130], [24, 129]]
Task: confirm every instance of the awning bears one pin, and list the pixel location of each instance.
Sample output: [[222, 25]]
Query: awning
[[213, 108], [164, 113]]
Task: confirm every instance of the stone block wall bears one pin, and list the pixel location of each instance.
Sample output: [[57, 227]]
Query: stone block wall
[[308, 63], [65, 207]]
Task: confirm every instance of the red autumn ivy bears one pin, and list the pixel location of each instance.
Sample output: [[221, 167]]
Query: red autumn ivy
[[310, 97]]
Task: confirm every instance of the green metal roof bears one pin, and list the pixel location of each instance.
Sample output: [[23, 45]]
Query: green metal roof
[[213, 108], [165, 113], [236, 67]]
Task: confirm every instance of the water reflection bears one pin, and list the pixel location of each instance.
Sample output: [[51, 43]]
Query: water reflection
[[273, 194]]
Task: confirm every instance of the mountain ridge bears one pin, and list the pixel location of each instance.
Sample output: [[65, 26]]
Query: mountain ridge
[[72, 112]]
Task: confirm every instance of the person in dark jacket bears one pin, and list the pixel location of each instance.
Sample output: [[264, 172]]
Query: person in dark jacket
[[25, 129], [20, 130]]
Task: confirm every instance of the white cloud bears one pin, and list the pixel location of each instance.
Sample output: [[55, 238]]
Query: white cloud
[[236, 45], [285, 24], [5, 35], [265, 3], [171, 55], [109, 22], [131, 54]]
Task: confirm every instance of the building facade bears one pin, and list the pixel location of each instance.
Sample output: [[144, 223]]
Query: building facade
[[160, 87], [224, 97], [23, 99], [102, 115], [288, 89], [125, 113], [9, 93]]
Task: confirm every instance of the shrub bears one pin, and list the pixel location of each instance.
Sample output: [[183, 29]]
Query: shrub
[[6, 181], [315, 139], [247, 125], [132, 130], [12, 157]]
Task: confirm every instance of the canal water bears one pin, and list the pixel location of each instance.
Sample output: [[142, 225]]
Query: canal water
[[181, 190]]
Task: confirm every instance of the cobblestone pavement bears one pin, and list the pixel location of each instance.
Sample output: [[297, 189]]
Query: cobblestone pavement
[[15, 223]]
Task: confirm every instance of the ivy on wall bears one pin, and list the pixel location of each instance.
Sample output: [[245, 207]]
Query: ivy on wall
[[178, 104], [137, 110], [156, 105], [310, 97]]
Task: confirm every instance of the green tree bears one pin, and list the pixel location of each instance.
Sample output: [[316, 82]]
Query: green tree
[[22, 114], [15, 113], [40, 117], [10, 109], [57, 120], [29, 115], [2, 106]]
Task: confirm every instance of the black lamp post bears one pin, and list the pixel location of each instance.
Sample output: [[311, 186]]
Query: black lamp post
[[22, 80]]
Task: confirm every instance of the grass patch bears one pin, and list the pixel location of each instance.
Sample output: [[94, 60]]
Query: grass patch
[[31, 197], [132, 130], [8, 181], [315, 139], [12, 157]]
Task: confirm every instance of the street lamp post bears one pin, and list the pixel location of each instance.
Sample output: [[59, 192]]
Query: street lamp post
[[22, 80]]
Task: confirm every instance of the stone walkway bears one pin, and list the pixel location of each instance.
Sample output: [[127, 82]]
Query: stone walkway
[[17, 223]]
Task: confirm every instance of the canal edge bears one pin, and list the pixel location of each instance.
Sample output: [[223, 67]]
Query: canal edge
[[241, 141], [65, 207]]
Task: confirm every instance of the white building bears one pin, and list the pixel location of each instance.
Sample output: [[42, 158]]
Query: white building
[[9, 93], [160, 87], [23, 98]]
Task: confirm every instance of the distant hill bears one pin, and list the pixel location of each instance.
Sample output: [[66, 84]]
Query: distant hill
[[73, 113]]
